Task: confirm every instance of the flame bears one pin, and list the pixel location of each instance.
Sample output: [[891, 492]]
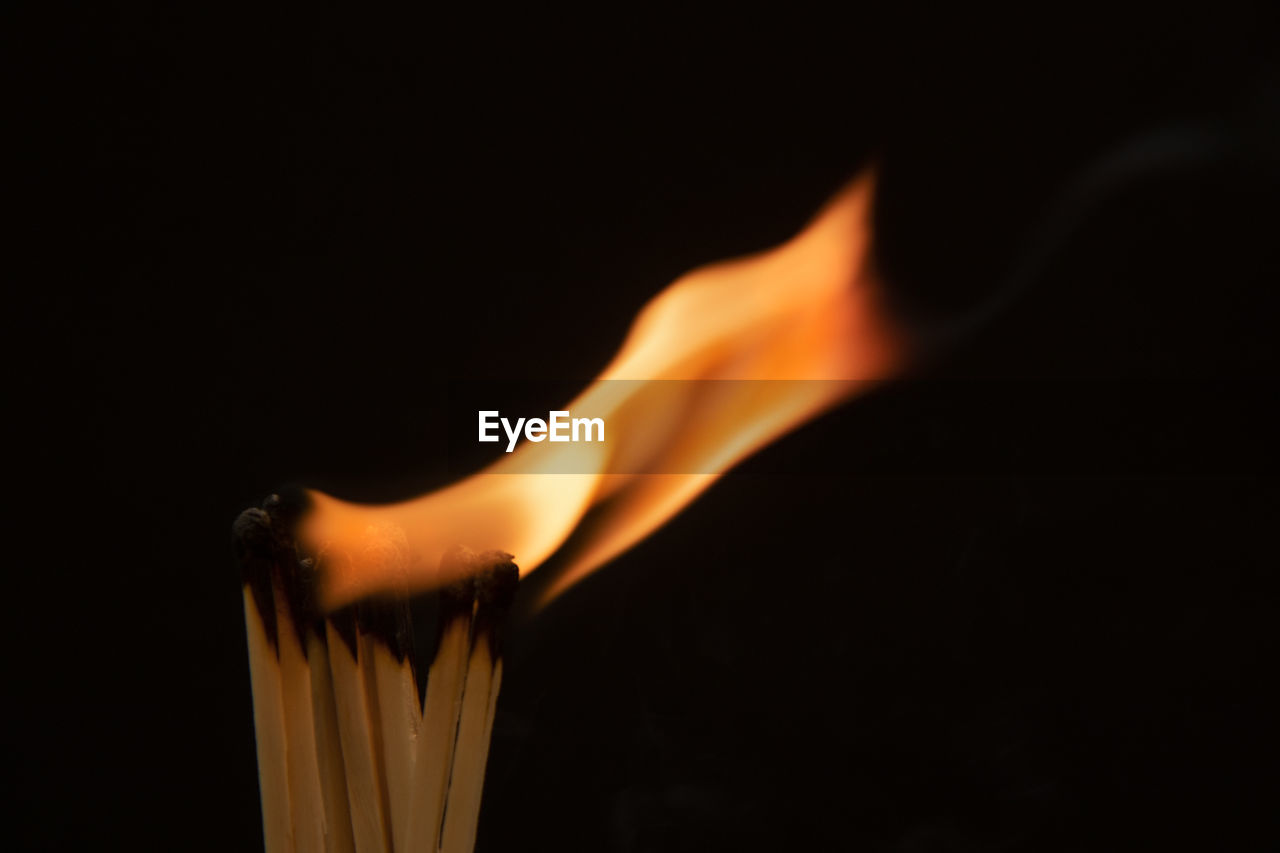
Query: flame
[[806, 310]]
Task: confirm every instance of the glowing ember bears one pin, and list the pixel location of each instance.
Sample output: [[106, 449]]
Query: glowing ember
[[806, 310]]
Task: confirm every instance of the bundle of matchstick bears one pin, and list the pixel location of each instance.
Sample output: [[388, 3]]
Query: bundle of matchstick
[[349, 758]]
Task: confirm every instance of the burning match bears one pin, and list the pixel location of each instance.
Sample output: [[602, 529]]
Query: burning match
[[778, 432], [349, 758]]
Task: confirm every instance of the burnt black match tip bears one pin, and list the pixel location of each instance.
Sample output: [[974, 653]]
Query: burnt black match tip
[[496, 586], [497, 580], [270, 563], [254, 541], [288, 504], [457, 597]]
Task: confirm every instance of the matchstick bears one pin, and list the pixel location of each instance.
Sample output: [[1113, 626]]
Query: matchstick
[[495, 590], [389, 646], [329, 758], [252, 537], [310, 788], [357, 730], [443, 701]]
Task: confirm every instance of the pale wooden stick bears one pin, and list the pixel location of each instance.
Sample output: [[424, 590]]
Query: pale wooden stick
[[495, 590], [305, 792], [443, 701], [317, 780], [466, 783], [361, 752], [252, 535], [399, 714], [333, 776]]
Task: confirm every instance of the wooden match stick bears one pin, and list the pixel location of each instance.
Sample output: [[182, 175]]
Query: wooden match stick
[[443, 701], [357, 729], [329, 758], [252, 536], [313, 752], [389, 646], [495, 590]]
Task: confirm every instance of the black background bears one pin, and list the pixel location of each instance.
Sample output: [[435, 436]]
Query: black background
[[928, 621]]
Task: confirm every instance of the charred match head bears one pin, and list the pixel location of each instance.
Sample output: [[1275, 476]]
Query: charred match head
[[254, 542], [288, 504], [496, 587], [458, 597], [271, 566]]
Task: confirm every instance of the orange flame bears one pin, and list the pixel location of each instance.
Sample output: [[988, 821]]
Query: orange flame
[[806, 310]]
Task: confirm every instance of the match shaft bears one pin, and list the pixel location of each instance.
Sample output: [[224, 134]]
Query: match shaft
[[398, 712], [442, 704], [361, 751], [269, 729], [333, 776], [466, 783], [495, 590], [251, 534]]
